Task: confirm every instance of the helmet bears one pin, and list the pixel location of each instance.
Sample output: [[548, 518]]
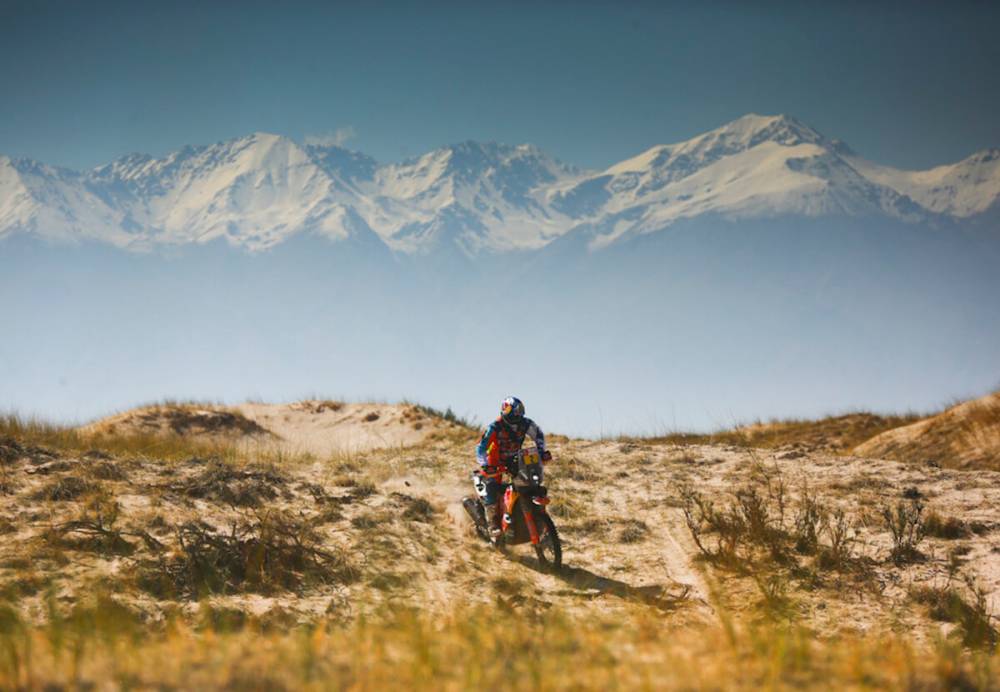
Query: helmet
[[512, 409]]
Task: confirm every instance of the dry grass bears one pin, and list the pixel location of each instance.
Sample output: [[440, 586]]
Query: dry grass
[[102, 643], [835, 433], [36, 438], [420, 410]]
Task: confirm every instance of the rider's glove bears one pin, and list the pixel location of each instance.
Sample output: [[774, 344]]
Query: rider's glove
[[546, 456]]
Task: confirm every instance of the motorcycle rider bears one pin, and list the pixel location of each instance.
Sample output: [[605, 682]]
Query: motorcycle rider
[[500, 442]]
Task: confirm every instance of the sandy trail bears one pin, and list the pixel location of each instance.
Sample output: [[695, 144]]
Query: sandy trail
[[678, 558]]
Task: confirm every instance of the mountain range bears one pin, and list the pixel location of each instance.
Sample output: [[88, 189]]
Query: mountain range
[[256, 192], [760, 269]]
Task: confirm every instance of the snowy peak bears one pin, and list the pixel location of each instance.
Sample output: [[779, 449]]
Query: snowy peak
[[964, 189], [258, 190], [754, 167], [752, 129], [733, 138], [481, 196], [471, 164], [252, 191]]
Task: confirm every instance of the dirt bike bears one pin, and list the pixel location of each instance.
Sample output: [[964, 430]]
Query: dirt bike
[[525, 518]]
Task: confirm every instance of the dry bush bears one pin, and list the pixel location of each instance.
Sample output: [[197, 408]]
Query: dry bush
[[95, 531], [591, 527], [763, 519], [8, 484], [567, 507], [25, 584], [746, 532], [415, 508], [750, 521], [64, 488], [838, 554], [10, 452], [185, 420], [321, 406], [360, 489], [727, 524], [969, 610], [574, 469], [906, 526], [270, 552], [773, 589], [807, 523], [106, 471], [240, 487], [947, 528], [447, 415], [633, 531]]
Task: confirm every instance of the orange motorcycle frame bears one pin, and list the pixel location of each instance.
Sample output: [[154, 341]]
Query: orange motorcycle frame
[[510, 498]]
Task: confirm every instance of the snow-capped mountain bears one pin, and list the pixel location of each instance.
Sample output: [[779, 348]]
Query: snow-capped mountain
[[481, 196], [259, 190], [961, 189]]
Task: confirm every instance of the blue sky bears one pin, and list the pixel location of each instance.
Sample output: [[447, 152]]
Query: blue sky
[[910, 84]]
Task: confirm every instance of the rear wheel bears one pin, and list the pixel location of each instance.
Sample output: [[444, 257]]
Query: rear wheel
[[549, 548]]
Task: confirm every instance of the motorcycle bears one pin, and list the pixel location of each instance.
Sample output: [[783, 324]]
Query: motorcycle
[[525, 517]]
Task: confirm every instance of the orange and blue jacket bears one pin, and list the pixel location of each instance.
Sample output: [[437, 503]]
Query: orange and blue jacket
[[502, 440]]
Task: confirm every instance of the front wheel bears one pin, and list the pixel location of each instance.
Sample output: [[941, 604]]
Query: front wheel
[[549, 547]]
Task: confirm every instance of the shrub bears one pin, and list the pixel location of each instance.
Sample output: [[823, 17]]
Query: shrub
[[634, 531], [95, 531], [948, 528], [838, 554], [247, 487], [417, 509], [970, 613], [106, 471], [64, 488], [905, 524], [274, 551], [446, 415], [809, 519]]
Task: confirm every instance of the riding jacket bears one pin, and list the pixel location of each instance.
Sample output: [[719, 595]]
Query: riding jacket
[[502, 440]]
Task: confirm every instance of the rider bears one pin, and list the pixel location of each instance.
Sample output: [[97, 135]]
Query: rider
[[502, 440]]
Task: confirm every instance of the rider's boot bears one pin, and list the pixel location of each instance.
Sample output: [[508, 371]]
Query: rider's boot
[[493, 520]]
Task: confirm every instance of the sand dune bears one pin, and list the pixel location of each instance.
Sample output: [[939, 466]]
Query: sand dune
[[318, 427], [964, 436]]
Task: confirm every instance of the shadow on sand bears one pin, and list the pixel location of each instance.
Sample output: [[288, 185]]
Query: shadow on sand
[[588, 585]]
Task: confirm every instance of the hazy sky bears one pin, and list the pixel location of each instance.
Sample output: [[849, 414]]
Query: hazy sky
[[911, 84]]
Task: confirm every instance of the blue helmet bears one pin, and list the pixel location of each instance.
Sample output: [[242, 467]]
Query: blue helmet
[[512, 409]]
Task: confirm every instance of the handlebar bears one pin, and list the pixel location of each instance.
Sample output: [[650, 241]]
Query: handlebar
[[511, 467]]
